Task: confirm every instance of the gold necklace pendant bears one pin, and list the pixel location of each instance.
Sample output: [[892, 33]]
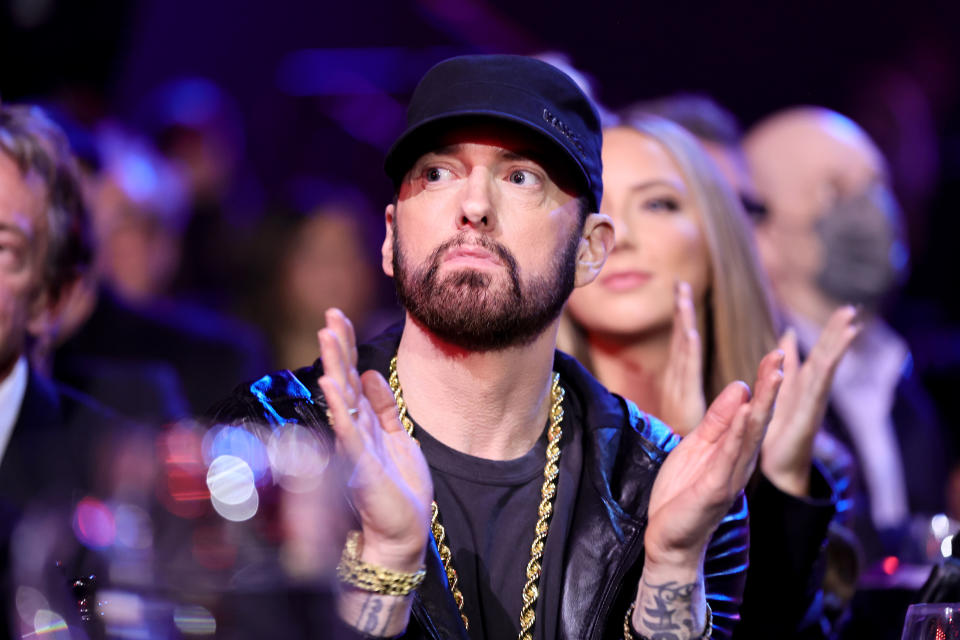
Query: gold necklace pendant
[[549, 490]]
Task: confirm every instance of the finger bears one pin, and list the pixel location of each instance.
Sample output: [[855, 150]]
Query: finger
[[382, 401], [744, 457], [769, 379], [340, 324], [676, 336], [834, 341], [722, 411], [791, 353], [736, 455], [335, 365], [349, 438]]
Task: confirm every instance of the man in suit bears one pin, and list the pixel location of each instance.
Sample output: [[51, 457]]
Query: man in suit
[[832, 235], [46, 432]]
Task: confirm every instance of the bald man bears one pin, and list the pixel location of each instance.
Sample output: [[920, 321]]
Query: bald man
[[832, 236]]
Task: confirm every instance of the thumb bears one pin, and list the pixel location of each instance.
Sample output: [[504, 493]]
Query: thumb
[[722, 411]]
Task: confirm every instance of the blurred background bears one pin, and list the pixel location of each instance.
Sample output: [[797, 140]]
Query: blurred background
[[233, 155], [279, 112]]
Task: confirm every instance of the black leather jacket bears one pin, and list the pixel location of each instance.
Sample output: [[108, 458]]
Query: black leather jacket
[[623, 449]]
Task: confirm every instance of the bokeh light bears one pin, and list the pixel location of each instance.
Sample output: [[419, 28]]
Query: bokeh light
[[194, 620], [946, 547], [298, 457], [28, 602], [134, 528], [940, 525], [240, 442], [50, 624], [240, 511], [230, 480], [890, 565], [94, 524]]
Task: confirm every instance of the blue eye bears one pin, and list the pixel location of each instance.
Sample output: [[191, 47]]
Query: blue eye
[[523, 177], [436, 174], [660, 205]]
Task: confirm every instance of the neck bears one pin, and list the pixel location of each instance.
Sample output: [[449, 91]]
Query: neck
[[632, 367], [491, 405]]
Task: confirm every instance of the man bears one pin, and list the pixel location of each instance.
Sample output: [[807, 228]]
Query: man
[[832, 237], [496, 177], [45, 430]]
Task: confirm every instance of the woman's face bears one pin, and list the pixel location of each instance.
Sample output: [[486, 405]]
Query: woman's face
[[659, 240]]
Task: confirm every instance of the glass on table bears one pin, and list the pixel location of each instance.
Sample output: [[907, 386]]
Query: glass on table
[[932, 621]]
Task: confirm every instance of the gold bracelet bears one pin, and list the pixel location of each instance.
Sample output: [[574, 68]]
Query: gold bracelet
[[630, 634], [369, 577]]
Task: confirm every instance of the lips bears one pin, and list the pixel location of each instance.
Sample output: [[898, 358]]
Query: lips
[[472, 255], [625, 280]]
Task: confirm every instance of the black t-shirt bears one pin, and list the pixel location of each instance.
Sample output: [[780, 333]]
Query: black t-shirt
[[489, 511]]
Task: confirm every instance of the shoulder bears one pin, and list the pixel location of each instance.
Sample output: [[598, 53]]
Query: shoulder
[[274, 399], [295, 396]]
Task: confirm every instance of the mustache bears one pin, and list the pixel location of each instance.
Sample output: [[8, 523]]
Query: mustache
[[484, 242]]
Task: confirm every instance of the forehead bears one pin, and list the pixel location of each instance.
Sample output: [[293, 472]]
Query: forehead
[[22, 197], [504, 138], [630, 154]]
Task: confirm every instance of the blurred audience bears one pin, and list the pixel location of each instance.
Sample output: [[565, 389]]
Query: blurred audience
[[118, 336], [833, 236], [197, 125], [140, 211], [309, 263], [49, 434]]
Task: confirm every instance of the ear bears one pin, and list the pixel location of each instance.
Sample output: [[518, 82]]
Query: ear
[[43, 312], [595, 244], [389, 215]]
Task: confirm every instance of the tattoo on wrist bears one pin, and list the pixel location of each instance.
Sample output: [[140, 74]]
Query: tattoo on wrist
[[665, 611], [373, 620]]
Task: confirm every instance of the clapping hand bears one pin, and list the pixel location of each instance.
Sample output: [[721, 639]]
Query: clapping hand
[[390, 483], [787, 451], [682, 403], [696, 486]]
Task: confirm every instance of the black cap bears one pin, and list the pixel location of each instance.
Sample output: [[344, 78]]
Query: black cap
[[524, 91]]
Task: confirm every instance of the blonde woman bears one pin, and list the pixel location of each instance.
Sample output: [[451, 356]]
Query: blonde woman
[[679, 311]]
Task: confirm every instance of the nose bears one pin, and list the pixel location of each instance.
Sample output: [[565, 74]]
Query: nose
[[622, 237], [476, 206]]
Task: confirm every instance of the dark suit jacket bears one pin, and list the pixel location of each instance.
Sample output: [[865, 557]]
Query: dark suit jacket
[[205, 350], [923, 452], [48, 466]]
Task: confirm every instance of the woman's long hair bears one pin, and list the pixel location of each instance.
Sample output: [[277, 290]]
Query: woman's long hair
[[738, 312]]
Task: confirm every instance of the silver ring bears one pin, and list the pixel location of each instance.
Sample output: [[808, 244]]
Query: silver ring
[[353, 411]]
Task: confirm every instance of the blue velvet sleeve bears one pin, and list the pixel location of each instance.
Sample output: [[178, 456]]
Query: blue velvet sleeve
[[725, 568]]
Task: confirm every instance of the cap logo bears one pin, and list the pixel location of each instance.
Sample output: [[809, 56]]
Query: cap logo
[[558, 124]]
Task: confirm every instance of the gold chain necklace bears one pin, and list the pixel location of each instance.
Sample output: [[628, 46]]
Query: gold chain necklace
[[550, 472]]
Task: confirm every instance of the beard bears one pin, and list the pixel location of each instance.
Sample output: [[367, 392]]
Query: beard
[[476, 310]]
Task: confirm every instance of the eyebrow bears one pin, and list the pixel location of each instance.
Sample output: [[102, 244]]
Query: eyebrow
[[658, 182], [507, 154]]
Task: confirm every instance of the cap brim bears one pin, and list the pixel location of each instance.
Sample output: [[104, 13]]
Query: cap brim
[[425, 136]]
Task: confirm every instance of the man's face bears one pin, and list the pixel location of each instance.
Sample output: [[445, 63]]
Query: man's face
[[483, 241], [805, 166], [23, 244]]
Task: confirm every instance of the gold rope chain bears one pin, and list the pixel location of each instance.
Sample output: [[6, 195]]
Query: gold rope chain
[[548, 491]]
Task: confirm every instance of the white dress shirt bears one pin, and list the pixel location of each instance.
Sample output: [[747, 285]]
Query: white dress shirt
[[12, 390]]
